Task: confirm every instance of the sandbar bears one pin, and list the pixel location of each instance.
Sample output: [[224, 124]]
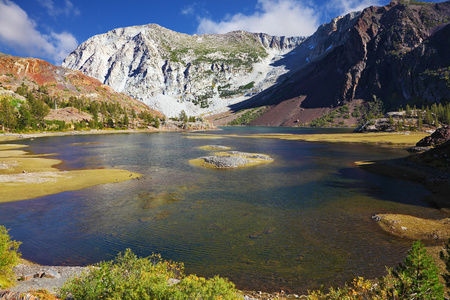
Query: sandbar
[[24, 176], [397, 139]]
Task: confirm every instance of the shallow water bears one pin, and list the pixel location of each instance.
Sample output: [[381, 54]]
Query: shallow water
[[294, 224]]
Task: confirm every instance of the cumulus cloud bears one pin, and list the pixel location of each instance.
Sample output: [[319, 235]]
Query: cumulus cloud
[[18, 32], [284, 17], [275, 17], [68, 9]]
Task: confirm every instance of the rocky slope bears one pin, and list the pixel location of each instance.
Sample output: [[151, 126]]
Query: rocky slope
[[172, 71], [397, 53], [59, 82]]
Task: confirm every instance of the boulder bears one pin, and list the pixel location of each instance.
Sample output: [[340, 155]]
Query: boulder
[[440, 136]]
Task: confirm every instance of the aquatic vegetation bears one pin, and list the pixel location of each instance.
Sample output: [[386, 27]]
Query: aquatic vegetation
[[214, 147], [153, 200]]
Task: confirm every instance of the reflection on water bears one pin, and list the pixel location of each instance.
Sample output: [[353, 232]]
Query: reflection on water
[[295, 224]]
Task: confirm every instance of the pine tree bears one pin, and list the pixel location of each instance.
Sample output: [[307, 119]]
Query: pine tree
[[391, 120], [418, 277], [408, 110], [420, 122], [446, 258], [428, 117]]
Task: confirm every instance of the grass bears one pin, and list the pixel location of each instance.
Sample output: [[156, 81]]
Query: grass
[[35, 175], [386, 139], [415, 228], [213, 147]]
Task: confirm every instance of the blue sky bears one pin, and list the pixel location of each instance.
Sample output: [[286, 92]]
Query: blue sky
[[51, 29]]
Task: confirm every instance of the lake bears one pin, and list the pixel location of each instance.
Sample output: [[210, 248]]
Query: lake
[[295, 224]]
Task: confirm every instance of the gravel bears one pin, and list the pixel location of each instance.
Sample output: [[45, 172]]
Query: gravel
[[50, 278]]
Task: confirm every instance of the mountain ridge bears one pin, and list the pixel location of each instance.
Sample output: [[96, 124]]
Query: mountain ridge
[[197, 73], [372, 54]]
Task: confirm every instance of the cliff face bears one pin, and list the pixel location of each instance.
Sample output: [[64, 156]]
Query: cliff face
[[398, 53], [59, 82], [172, 71]]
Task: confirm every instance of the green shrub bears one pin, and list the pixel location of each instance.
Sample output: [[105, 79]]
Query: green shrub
[[9, 257], [417, 278], [130, 277]]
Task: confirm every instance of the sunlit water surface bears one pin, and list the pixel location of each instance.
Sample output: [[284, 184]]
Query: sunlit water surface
[[294, 224]]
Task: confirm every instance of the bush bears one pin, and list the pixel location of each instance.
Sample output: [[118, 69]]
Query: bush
[[417, 278], [130, 277], [9, 257]]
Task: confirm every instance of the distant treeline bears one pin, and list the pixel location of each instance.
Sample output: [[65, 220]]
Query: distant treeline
[[18, 115], [436, 114]]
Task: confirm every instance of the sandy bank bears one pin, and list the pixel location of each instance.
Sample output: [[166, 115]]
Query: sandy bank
[[25, 176], [397, 139]]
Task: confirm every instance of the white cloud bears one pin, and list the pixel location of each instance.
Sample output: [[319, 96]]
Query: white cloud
[[68, 9], [188, 10], [284, 17], [275, 17], [18, 32], [343, 7]]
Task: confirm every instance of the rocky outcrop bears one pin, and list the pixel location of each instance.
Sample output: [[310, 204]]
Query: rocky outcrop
[[231, 160], [172, 71], [398, 53], [440, 136]]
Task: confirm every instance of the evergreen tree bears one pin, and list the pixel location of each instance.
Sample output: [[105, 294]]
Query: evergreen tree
[[408, 111], [420, 122], [126, 119], [418, 277], [391, 120], [445, 256], [428, 116], [156, 124], [183, 116]]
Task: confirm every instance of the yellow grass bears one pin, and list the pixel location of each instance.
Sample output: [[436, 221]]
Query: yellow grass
[[385, 139], [414, 228], [212, 147], [24, 176], [205, 136]]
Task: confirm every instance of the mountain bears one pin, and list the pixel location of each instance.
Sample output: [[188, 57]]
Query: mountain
[[172, 72], [396, 53], [61, 82], [60, 87]]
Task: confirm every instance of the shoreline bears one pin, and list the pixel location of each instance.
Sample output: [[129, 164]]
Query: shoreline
[[398, 168]]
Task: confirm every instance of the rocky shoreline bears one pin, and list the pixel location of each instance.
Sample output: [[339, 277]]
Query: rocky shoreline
[[32, 278]]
